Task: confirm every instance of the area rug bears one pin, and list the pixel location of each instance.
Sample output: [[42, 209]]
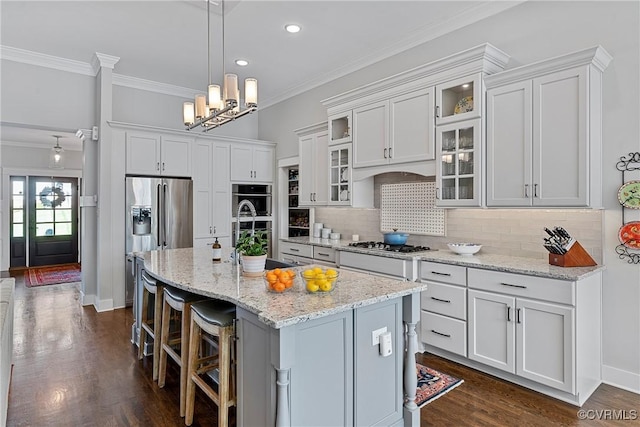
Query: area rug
[[432, 384], [39, 276]]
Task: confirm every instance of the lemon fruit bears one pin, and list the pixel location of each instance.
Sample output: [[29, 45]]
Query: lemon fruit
[[309, 274], [325, 286], [312, 286]]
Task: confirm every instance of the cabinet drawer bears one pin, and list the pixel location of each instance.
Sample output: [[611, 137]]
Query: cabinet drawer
[[296, 249], [560, 291], [444, 332], [445, 299], [324, 254], [390, 267], [446, 273]]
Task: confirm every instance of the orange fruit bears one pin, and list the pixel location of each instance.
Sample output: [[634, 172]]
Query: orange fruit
[[291, 273], [276, 271], [279, 287], [271, 278]]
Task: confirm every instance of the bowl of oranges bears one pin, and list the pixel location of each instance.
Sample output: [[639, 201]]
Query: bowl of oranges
[[279, 280], [319, 280]]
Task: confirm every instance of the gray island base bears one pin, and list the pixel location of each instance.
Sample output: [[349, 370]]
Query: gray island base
[[310, 359]]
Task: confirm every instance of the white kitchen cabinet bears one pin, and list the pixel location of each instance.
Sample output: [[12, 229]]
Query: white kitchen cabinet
[[544, 132], [314, 166], [459, 99], [340, 175], [371, 135], [398, 130], [251, 163], [412, 135], [443, 307], [340, 128], [459, 164], [532, 339], [149, 153], [542, 330], [211, 193]]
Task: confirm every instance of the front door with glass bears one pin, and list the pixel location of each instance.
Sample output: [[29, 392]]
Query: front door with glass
[[53, 225]]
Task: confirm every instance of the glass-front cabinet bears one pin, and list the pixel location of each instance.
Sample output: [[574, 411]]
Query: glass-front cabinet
[[340, 128], [340, 174], [298, 217], [458, 166], [459, 99]]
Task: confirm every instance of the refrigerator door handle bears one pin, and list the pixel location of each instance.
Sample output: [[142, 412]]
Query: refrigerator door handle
[[159, 215], [165, 216]]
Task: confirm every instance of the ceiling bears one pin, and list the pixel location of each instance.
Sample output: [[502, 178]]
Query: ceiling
[[166, 40]]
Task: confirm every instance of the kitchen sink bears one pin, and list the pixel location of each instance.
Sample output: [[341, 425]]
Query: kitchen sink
[[274, 263]]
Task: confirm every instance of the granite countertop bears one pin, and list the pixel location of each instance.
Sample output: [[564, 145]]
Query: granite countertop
[[504, 263], [191, 269]]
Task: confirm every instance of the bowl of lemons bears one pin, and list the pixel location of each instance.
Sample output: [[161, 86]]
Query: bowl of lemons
[[319, 280], [279, 279]]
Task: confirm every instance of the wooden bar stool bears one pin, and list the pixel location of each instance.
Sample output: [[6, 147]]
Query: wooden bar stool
[[176, 343], [212, 322], [150, 326]]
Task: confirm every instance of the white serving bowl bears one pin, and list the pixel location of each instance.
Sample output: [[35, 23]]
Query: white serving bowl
[[464, 248]]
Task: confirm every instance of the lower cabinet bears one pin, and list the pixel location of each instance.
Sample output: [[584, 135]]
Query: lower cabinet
[[323, 372], [531, 339], [304, 254], [389, 267], [538, 332]]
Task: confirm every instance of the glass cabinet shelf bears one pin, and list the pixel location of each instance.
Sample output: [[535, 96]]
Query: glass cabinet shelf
[[340, 174]]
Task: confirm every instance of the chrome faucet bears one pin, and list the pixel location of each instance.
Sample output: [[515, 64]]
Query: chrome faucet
[[252, 208]]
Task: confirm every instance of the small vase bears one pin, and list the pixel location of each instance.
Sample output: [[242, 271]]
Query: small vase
[[253, 266]]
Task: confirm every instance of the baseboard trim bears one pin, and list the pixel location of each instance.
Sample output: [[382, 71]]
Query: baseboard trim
[[104, 305], [86, 300], [620, 378]]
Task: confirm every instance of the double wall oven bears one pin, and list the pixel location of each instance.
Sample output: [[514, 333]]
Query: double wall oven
[[260, 196]]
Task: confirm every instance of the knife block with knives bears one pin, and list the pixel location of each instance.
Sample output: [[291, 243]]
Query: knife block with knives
[[565, 251]]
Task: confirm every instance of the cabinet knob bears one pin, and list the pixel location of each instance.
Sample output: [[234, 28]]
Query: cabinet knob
[[162, 166], [158, 166], [526, 191]]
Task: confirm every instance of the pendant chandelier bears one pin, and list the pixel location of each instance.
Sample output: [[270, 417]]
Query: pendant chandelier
[[55, 157], [220, 109]]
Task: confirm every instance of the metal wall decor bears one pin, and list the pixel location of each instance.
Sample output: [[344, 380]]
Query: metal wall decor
[[629, 198]]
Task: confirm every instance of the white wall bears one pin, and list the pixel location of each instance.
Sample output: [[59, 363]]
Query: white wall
[[530, 32]]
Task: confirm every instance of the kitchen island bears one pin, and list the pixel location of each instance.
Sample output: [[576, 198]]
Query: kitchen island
[[309, 359]]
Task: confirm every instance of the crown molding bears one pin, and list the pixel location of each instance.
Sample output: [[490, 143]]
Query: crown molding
[[102, 60], [153, 86], [317, 127], [596, 56], [48, 61]]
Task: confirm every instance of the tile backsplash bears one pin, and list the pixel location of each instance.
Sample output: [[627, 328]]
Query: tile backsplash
[[517, 232]]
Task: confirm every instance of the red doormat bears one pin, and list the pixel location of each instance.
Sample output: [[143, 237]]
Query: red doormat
[[38, 276], [432, 384]]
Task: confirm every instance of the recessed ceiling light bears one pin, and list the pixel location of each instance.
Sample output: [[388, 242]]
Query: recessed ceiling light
[[242, 62], [466, 85], [292, 28]]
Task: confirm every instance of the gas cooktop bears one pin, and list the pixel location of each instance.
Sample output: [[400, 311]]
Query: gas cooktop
[[391, 248]]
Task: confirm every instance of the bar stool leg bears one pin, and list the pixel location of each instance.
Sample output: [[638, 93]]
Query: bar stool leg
[[157, 316], [164, 336], [143, 319], [224, 353], [194, 344], [184, 355]]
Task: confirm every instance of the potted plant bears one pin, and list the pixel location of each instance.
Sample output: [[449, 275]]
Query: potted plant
[[252, 249]]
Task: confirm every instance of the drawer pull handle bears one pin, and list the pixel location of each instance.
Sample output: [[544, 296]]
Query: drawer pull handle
[[513, 286], [441, 300], [441, 334], [441, 274], [518, 315], [508, 314], [321, 254], [294, 250]]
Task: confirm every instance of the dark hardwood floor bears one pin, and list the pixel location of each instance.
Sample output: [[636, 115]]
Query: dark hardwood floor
[[76, 367]]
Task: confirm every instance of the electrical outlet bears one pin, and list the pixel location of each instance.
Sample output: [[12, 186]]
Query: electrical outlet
[[375, 335]]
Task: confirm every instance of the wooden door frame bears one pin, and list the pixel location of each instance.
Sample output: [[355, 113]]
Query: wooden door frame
[[6, 189]]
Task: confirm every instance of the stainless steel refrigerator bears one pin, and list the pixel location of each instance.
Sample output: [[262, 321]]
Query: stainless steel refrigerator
[[159, 215]]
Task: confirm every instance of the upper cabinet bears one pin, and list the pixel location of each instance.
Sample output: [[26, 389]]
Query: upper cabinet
[[544, 132], [314, 165], [394, 120], [150, 153], [459, 99], [399, 130], [340, 128], [251, 163]]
